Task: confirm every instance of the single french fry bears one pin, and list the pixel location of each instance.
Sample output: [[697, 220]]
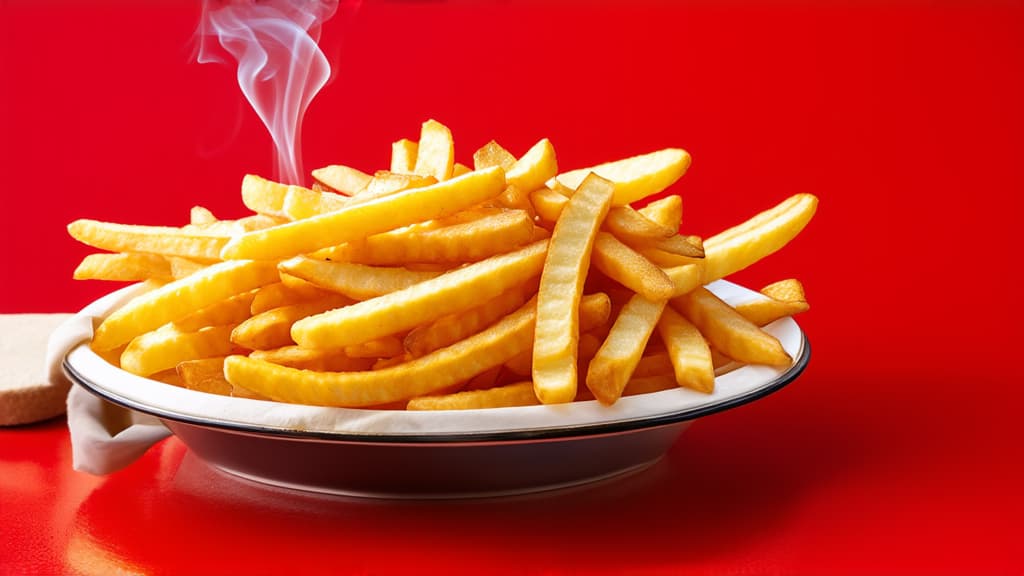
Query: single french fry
[[465, 242], [740, 246], [451, 292], [449, 329], [518, 394], [272, 329], [201, 215], [728, 331], [383, 347], [360, 220], [561, 285], [204, 375], [624, 265], [688, 352], [123, 267], [548, 204], [595, 309], [280, 294], [312, 359], [343, 179], [301, 203], [785, 298], [637, 177], [435, 155], [684, 278], [689, 246], [166, 347], [534, 168], [667, 212], [620, 353], [182, 267], [164, 240], [178, 299], [418, 377], [357, 281], [403, 156], [387, 183], [632, 227], [228, 311], [264, 196], [492, 154]]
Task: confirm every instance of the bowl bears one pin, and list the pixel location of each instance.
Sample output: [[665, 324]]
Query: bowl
[[442, 454]]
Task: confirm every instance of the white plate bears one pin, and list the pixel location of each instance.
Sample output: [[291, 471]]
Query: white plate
[[391, 453]]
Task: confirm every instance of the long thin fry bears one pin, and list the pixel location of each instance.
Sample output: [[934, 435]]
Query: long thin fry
[[451, 292], [518, 394], [421, 376], [620, 353], [730, 332], [164, 240], [561, 285], [371, 217]]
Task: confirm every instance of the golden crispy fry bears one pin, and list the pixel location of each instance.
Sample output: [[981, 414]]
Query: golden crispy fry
[[615, 361], [123, 267], [688, 352], [272, 329], [561, 285], [492, 154], [518, 394], [383, 347], [637, 177], [163, 240], [454, 327], [740, 246], [535, 167], [343, 179], [421, 376], [515, 199], [622, 264], [182, 267], [465, 242], [201, 215], [359, 220], [426, 301], [548, 204], [357, 281], [301, 203], [685, 278], [688, 246], [387, 183], [164, 348], [666, 259], [204, 375], [178, 299], [595, 309], [228, 311], [785, 298], [435, 155], [403, 156], [632, 227], [667, 212], [280, 294], [728, 331], [311, 359], [264, 196]]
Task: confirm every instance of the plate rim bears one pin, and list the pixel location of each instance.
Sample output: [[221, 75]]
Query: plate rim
[[515, 435]]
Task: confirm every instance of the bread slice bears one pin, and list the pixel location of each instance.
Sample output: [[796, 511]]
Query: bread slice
[[26, 394]]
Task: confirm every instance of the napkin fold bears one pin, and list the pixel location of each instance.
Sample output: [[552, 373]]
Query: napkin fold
[[105, 437]]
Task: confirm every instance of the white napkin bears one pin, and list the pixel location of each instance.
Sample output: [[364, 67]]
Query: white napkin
[[104, 437]]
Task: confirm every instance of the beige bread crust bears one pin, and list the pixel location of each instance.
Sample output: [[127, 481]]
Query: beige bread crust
[[26, 394]]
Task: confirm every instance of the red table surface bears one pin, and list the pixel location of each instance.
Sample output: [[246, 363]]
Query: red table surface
[[896, 452]]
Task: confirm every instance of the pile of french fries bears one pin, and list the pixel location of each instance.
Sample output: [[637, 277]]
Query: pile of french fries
[[434, 285]]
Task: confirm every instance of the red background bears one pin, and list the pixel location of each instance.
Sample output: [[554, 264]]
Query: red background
[[896, 452]]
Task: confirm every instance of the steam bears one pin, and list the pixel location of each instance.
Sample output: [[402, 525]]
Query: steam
[[280, 65]]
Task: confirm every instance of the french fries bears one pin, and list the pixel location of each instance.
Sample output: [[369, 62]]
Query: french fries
[[436, 286]]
